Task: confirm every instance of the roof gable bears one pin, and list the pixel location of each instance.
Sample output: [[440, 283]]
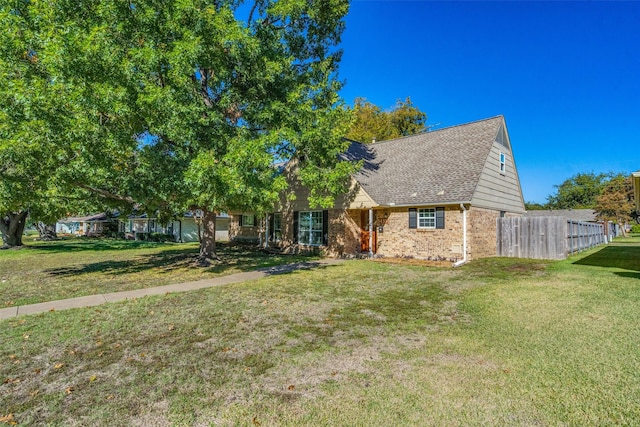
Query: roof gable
[[442, 166]]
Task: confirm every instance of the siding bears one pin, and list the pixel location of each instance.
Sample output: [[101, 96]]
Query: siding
[[497, 191]]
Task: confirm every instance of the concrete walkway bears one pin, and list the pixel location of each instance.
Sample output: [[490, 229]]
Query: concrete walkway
[[93, 300]]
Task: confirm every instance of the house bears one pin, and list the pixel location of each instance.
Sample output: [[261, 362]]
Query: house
[[184, 228], [435, 195], [89, 225], [583, 215], [635, 176]]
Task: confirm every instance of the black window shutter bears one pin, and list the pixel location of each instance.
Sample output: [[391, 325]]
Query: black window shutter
[[240, 220], [325, 227], [413, 218], [295, 226], [255, 220], [439, 217], [271, 225]]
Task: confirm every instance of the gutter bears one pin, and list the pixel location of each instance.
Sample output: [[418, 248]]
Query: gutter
[[464, 237]]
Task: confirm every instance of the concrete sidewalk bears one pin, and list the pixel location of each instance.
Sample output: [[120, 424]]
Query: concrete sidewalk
[[93, 300]]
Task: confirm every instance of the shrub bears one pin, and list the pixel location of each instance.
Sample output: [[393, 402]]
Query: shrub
[[161, 237], [635, 228]]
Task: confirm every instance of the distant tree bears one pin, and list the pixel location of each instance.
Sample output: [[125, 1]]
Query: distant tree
[[578, 192], [616, 203], [371, 122], [533, 206]]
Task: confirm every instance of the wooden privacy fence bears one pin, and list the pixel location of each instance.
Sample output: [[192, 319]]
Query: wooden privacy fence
[[547, 237]]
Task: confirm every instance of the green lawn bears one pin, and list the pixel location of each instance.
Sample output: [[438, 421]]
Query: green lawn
[[495, 342], [45, 271]]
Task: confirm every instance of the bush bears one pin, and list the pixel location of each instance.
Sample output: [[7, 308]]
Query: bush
[[161, 237], [635, 228]]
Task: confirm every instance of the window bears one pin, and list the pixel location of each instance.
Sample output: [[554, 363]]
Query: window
[[310, 228], [427, 218], [277, 226], [502, 164], [248, 220]]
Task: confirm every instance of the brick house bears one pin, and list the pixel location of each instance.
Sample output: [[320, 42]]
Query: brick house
[[435, 195]]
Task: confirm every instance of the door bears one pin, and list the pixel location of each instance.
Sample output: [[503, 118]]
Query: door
[[364, 233]]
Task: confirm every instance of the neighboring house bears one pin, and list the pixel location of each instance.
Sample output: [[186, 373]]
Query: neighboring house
[[636, 189], [584, 215], [90, 225], [184, 229], [434, 195]]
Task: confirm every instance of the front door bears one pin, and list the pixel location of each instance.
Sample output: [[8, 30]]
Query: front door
[[364, 233]]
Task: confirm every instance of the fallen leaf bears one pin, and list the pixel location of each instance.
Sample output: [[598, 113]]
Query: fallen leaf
[[34, 393], [255, 421], [171, 327], [37, 371], [92, 378], [58, 365], [8, 303], [25, 336], [117, 345], [291, 387], [7, 419], [52, 309], [69, 390], [109, 397]]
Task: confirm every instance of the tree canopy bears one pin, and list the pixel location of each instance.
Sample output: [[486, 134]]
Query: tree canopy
[[579, 191], [181, 105], [616, 202], [371, 122]]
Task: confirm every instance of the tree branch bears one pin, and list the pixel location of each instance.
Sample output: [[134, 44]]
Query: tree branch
[[106, 194]]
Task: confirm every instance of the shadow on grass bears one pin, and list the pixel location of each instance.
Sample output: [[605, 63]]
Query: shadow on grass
[[626, 257], [90, 244], [232, 258]]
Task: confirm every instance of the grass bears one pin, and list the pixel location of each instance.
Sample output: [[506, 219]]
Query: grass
[[46, 271], [496, 342]]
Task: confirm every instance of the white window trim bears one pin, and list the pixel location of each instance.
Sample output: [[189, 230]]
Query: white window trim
[[277, 231], [311, 229], [503, 163], [433, 217]]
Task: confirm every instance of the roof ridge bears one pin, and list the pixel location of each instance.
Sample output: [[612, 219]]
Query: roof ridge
[[433, 131]]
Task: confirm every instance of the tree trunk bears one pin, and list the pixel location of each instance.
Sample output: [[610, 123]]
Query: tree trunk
[[208, 241], [46, 231], [12, 226]]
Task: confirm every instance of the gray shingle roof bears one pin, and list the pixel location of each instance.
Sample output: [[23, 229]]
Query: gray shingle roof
[[441, 166], [587, 215]]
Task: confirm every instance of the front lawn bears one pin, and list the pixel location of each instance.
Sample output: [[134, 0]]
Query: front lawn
[[495, 342], [46, 271]]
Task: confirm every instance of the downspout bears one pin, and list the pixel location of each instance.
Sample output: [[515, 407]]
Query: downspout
[[464, 237], [370, 233]]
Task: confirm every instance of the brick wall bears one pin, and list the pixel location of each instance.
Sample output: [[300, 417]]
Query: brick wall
[[398, 240], [242, 233], [481, 232]]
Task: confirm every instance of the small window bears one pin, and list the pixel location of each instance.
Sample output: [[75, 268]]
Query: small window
[[427, 218], [502, 164], [248, 220]]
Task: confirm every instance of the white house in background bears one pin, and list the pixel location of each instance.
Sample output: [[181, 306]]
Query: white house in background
[[184, 229], [89, 225]]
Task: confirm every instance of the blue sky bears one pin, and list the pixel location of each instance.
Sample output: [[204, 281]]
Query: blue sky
[[566, 76]]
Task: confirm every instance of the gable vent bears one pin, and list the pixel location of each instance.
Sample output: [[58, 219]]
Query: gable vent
[[501, 137]]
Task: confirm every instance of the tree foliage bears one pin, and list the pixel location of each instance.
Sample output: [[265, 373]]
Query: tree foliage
[[371, 122], [184, 104], [579, 191], [616, 202]]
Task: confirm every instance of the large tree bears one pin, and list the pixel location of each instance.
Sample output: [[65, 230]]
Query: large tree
[[182, 104], [373, 123], [579, 191], [616, 202]]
